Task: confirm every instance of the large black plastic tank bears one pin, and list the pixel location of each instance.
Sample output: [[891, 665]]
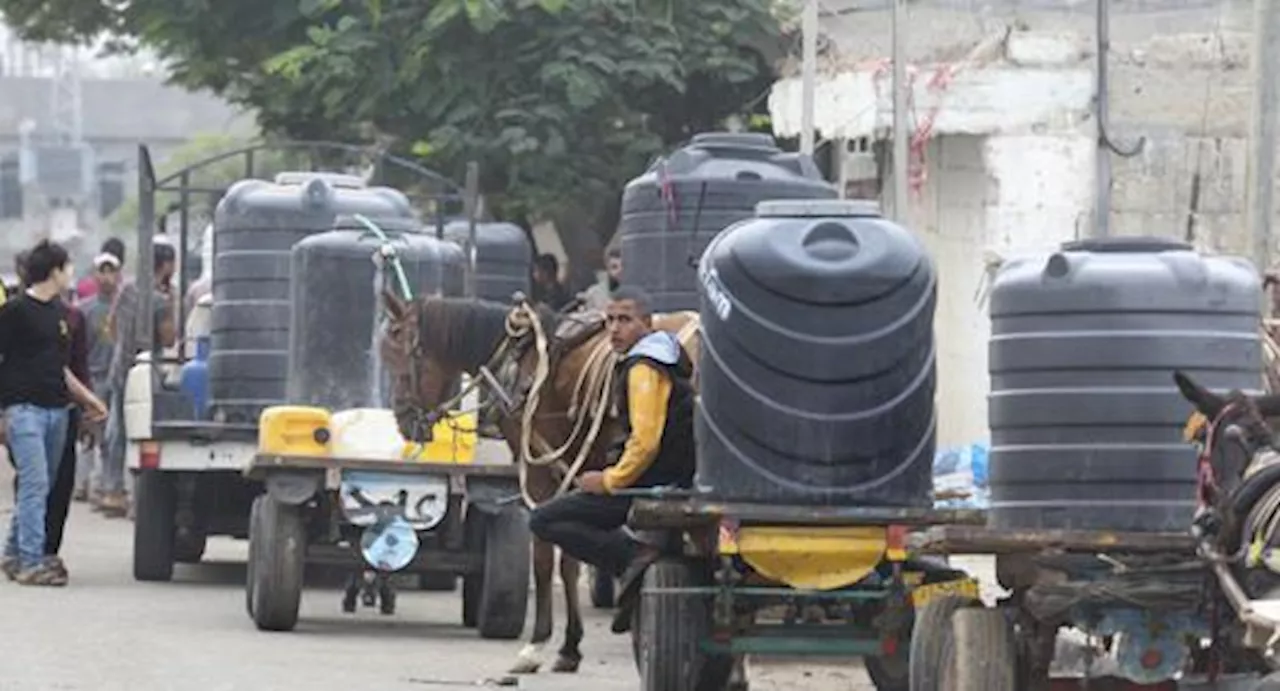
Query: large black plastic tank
[[1086, 423], [504, 258], [715, 181], [332, 359], [817, 368], [255, 226]]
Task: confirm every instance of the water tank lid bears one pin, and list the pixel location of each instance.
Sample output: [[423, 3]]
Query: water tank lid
[[339, 180], [818, 208], [1126, 244], [735, 140]]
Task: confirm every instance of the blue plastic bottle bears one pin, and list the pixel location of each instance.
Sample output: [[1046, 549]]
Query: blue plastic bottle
[[194, 380]]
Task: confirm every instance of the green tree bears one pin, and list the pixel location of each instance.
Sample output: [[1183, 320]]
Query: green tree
[[561, 101]]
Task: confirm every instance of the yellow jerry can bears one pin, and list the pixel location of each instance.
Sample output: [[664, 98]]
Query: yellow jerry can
[[453, 440], [293, 430]]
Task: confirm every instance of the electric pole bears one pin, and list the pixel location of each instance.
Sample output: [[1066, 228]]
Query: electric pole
[[1262, 129]]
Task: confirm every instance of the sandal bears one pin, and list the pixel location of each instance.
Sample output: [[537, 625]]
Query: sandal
[[59, 567], [42, 575]]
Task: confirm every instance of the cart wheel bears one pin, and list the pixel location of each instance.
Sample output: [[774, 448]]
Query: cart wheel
[[190, 549], [602, 589], [671, 630], [986, 657], [278, 542], [931, 641], [156, 503], [888, 673], [249, 570], [504, 589], [472, 582]]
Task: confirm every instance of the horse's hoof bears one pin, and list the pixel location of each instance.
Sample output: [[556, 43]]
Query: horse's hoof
[[567, 664], [526, 667]]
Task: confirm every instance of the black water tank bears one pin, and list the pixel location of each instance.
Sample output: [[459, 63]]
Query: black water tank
[[332, 359], [255, 226], [1086, 423], [504, 258], [817, 366], [710, 184]]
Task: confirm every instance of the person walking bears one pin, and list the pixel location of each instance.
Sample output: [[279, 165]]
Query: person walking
[[100, 343], [61, 493], [36, 387]]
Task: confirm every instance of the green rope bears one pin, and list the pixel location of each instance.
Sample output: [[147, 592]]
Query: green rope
[[389, 253]]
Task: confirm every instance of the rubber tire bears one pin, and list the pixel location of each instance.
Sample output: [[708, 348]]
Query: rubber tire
[[279, 564], [931, 641], [155, 510], [986, 657], [253, 558], [473, 582], [504, 590], [671, 630], [603, 589], [190, 551], [437, 582], [883, 675]]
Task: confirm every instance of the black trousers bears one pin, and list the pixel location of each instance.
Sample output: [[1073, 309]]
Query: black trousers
[[58, 505], [588, 527], [64, 486]]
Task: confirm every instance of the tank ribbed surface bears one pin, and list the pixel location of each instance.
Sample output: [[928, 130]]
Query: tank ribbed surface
[[817, 369], [675, 208], [333, 359], [504, 258], [1086, 422], [255, 226]]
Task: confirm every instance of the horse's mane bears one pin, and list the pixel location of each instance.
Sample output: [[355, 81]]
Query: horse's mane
[[466, 331]]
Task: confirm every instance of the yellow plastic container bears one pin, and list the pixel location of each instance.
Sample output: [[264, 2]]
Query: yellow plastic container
[[453, 440], [292, 430]]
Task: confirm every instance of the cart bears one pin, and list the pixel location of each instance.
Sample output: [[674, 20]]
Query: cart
[[1147, 600], [752, 578], [381, 518]]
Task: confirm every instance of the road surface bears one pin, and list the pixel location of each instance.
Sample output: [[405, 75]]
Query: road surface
[[105, 632]]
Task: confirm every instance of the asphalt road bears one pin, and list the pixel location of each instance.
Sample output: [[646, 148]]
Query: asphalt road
[[106, 632]]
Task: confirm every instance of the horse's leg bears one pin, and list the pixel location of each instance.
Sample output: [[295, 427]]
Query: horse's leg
[[544, 562], [570, 656]]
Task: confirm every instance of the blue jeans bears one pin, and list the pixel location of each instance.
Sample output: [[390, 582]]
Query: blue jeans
[[36, 439], [114, 444]]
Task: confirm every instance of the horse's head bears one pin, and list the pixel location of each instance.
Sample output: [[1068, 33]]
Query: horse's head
[[1234, 433], [426, 346]]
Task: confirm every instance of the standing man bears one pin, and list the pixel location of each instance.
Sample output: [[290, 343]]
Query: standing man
[[596, 297], [547, 288], [36, 388], [123, 325], [655, 403], [100, 344]]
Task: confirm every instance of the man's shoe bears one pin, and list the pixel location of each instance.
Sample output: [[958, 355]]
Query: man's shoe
[[42, 575], [114, 505], [630, 582], [9, 567]]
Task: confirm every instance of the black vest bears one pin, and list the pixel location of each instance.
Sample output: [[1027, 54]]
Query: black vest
[[674, 465]]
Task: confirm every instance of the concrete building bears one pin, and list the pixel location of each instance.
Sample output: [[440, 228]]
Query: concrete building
[[1003, 153]]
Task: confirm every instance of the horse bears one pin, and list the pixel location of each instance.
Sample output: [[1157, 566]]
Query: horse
[[1239, 516], [560, 369]]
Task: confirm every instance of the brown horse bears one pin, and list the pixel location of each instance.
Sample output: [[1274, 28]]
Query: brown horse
[[558, 370]]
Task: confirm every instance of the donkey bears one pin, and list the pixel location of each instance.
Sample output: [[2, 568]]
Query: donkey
[[560, 368], [1239, 482]]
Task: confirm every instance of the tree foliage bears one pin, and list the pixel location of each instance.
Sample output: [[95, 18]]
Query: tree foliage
[[561, 101]]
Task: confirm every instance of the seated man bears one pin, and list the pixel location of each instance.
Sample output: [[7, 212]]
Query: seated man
[[655, 402]]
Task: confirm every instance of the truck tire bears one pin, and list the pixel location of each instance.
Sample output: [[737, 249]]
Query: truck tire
[[504, 590], [672, 627], [888, 673], [986, 657], [155, 509], [279, 562], [248, 567], [931, 641]]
